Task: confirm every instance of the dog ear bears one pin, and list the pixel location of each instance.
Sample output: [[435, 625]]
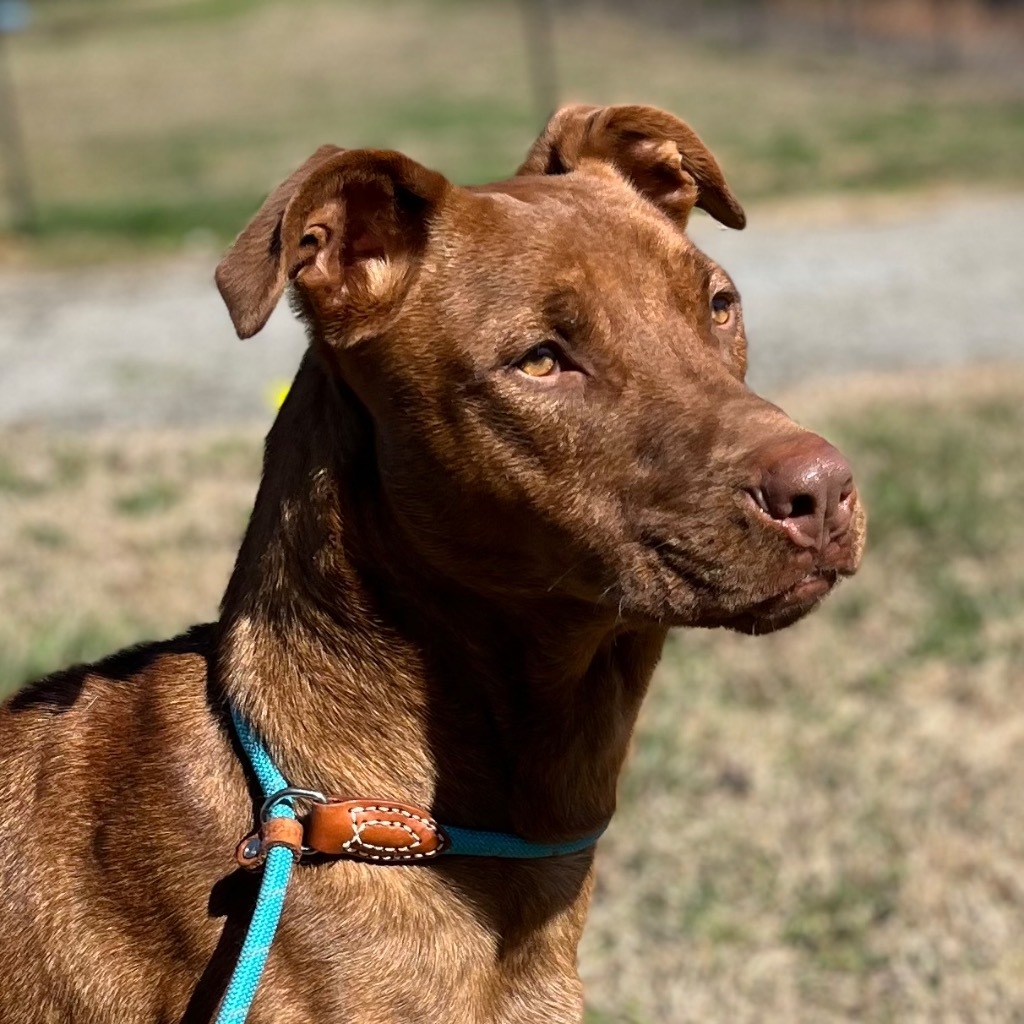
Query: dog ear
[[660, 155], [339, 227]]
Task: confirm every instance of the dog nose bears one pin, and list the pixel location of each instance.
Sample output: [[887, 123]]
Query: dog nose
[[805, 485]]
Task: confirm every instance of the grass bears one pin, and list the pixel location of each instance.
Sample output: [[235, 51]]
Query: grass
[[818, 826], [151, 497], [107, 540], [150, 124]]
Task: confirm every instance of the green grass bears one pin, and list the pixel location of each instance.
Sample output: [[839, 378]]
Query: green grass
[[47, 535], [146, 222], [135, 146], [61, 642], [949, 486], [14, 481], [149, 498]]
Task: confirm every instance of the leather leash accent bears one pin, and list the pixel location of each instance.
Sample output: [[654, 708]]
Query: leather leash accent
[[372, 830], [253, 849]]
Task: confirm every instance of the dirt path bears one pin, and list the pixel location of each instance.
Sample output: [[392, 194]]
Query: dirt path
[[923, 285]]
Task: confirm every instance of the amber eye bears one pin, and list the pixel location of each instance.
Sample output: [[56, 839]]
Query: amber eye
[[721, 309], [539, 362]]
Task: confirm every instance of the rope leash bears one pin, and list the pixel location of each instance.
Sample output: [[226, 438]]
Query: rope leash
[[277, 872], [245, 980]]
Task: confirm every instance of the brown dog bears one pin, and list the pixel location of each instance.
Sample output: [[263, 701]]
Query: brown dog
[[519, 449]]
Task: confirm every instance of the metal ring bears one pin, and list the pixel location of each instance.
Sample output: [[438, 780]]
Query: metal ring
[[289, 793]]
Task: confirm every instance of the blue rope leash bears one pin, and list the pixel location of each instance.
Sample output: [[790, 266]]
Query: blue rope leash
[[245, 980], [277, 869]]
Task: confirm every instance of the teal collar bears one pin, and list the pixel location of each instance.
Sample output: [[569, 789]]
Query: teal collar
[[453, 841], [278, 845]]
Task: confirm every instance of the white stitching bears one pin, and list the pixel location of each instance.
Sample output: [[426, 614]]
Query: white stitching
[[402, 856], [398, 853], [358, 835], [429, 822]]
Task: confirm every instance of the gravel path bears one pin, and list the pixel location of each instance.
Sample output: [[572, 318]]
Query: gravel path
[[926, 286]]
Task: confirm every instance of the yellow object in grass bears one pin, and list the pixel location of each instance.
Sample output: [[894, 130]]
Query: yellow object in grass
[[277, 392]]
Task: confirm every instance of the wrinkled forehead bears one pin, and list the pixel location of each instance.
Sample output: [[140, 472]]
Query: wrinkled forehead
[[590, 230]]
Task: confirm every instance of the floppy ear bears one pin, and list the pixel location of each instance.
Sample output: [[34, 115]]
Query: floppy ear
[[337, 227], [660, 155]]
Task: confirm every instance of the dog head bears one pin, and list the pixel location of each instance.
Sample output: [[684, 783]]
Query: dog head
[[554, 374]]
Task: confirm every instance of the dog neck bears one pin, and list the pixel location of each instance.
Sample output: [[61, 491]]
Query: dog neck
[[369, 678]]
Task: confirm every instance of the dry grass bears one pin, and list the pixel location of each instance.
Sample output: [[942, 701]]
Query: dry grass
[[147, 121], [104, 540], [819, 826]]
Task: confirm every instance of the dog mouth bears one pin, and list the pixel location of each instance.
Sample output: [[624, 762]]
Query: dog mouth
[[692, 585], [793, 599], [786, 607]]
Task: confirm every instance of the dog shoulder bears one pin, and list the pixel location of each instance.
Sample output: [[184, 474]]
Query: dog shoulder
[[84, 697]]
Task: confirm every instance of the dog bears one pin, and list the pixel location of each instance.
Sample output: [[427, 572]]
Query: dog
[[518, 451]]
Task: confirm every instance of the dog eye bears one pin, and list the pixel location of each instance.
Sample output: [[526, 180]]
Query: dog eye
[[541, 361], [722, 308]]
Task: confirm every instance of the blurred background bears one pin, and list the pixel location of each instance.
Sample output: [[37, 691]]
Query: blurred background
[[839, 830]]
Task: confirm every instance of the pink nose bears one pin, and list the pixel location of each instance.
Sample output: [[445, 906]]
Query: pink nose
[[805, 486]]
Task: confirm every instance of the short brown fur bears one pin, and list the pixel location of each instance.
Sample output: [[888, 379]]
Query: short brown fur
[[454, 588]]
